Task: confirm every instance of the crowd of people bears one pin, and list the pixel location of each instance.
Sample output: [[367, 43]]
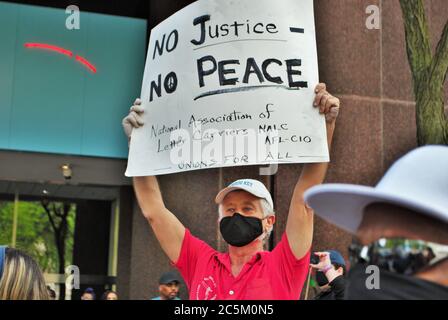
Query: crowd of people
[[400, 227], [89, 294], [168, 289]]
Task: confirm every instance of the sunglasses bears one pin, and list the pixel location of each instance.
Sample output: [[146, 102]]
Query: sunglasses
[[399, 255]]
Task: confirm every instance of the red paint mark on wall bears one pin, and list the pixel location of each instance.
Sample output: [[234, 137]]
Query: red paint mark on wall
[[63, 51]]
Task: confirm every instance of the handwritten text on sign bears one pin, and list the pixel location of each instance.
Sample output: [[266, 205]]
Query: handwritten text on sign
[[230, 83]]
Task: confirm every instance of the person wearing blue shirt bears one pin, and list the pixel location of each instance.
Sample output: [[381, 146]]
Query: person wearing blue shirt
[[168, 287]]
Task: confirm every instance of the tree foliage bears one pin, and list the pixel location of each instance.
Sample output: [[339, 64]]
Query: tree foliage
[[428, 73], [35, 234]]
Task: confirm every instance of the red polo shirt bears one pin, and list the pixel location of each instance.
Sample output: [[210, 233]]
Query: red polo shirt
[[275, 275]]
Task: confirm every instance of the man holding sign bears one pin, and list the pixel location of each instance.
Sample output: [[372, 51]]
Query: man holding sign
[[246, 217]]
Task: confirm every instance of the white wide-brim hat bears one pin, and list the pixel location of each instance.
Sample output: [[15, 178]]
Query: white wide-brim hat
[[418, 181]]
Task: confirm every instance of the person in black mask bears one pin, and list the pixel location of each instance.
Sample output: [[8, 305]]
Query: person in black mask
[[246, 218], [401, 227], [330, 275]]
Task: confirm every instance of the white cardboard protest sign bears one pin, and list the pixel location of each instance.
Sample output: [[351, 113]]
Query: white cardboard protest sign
[[230, 83]]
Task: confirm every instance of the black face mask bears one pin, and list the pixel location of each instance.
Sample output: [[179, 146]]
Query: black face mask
[[321, 279], [392, 286], [239, 230]]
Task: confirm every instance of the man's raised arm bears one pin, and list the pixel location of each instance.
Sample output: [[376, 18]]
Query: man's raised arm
[[299, 226], [167, 228]]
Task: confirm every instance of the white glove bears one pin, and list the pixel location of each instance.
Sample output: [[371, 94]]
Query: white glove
[[133, 119]]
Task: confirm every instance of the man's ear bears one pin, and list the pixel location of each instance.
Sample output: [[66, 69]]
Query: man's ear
[[340, 270], [271, 219]]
